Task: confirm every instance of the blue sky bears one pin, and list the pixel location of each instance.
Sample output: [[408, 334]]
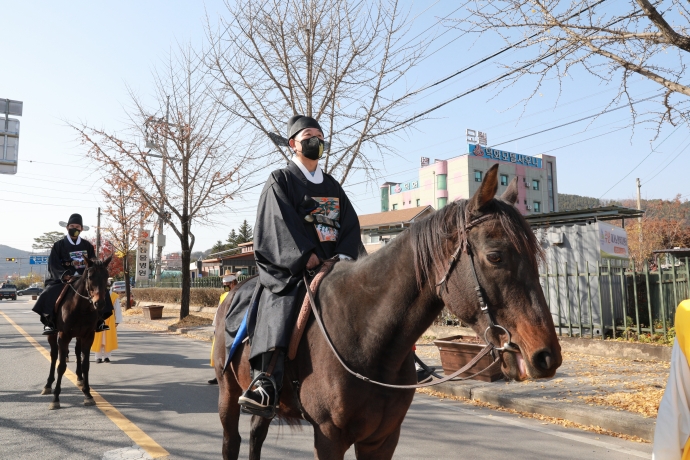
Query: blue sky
[[73, 61]]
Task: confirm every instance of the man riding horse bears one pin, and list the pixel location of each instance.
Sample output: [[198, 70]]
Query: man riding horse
[[66, 261], [303, 218]]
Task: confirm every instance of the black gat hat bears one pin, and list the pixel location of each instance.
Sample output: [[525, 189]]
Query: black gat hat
[[299, 123]]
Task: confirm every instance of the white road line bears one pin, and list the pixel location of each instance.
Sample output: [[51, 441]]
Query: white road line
[[540, 429]]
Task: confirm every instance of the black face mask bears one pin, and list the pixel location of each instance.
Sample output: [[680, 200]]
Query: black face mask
[[73, 232], [312, 148]]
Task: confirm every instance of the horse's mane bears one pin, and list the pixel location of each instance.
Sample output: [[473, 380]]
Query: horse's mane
[[434, 238]]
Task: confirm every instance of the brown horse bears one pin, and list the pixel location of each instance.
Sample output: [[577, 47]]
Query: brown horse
[[77, 318], [375, 309]]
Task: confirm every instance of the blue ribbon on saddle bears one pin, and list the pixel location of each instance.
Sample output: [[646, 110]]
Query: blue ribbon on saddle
[[239, 338]]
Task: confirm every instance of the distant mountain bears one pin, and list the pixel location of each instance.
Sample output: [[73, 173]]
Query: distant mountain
[[570, 202], [12, 268]]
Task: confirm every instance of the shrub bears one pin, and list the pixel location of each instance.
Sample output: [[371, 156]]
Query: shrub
[[202, 297]]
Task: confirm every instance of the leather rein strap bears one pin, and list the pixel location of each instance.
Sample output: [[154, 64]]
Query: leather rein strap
[[455, 375]]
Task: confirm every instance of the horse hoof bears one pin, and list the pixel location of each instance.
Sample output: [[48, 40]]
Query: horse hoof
[[47, 391], [89, 402], [80, 383], [54, 405]]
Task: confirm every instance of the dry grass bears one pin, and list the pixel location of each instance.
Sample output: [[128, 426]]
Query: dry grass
[[644, 400], [543, 418], [194, 321], [205, 297]]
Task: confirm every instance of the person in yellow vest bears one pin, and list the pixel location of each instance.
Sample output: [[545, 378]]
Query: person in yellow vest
[[672, 433], [105, 342], [229, 282]]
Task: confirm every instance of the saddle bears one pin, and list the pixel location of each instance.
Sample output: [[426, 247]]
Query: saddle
[[69, 280], [305, 310]]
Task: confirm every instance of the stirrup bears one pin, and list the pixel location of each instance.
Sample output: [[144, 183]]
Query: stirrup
[[270, 411]]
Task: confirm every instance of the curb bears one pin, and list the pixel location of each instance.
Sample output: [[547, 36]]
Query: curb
[[195, 332], [613, 420]]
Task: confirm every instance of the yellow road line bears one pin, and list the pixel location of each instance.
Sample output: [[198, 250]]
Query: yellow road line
[[130, 429]]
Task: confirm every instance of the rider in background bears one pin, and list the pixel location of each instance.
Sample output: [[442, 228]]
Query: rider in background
[[66, 261], [672, 433]]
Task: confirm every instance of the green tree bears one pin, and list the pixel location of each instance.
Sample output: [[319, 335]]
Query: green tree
[[46, 241], [245, 233], [232, 240], [218, 247]]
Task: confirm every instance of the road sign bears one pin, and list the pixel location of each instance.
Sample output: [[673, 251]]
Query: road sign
[[142, 271], [38, 260], [9, 136]]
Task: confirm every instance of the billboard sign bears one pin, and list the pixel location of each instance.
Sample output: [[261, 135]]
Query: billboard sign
[[38, 260], [613, 242], [501, 155]]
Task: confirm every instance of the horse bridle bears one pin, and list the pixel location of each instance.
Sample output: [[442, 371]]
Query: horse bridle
[[88, 290], [464, 246]]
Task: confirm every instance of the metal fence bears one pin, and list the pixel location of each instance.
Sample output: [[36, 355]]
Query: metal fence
[[612, 301], [208, 282]]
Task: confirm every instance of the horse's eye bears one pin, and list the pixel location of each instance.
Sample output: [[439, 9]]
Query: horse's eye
[[494, 257]]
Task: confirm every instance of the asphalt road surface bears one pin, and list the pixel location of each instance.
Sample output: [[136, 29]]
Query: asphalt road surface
[[158, 383]]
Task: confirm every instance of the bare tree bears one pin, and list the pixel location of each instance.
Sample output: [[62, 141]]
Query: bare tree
[[342, 62], [614, 43], [197, 143], [126, 213]]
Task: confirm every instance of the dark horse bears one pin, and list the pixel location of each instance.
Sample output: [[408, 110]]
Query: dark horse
[[376, 308], [77, 317]]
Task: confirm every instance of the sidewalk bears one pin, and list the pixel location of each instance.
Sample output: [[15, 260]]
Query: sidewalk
[[619, 395], [614, 394]]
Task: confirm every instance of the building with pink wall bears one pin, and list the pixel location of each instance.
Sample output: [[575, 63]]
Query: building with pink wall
[[460, 177]]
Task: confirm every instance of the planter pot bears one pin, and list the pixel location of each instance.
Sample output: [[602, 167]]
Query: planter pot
[[34, 297], [458, 350], [153, 311]]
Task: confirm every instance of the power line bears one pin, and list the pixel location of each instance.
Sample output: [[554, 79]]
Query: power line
[[577, 121], [668, 164], [638, 164]]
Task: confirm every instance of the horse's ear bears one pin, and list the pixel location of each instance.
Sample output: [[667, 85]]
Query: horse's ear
[[88, 261], [487, 191], [107, 261], [511, 194]]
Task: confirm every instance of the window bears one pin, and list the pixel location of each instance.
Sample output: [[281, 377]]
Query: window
[[418, 201], [477, 176], [442, 202], [535, 185], [504, 179], [537, 206], [441, 182], [395, 206]]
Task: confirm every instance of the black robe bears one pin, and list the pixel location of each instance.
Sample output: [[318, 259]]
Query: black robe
[[283, 243], [64, 251]]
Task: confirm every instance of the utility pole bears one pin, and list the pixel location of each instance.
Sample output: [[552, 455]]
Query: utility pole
[[639, 207], [161, 210], [98, 234]]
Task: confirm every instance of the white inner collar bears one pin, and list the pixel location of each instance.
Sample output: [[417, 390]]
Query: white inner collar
[[72, 242], [317, 178]]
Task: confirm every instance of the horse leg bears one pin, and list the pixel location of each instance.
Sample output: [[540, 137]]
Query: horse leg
[[77, 354], [257, 436], [229, 392], [379, 449], [52, 341], [63, 345], [86, 364], [329, 443]]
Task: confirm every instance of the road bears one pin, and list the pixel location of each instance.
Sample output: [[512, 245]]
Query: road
[[157, 381]]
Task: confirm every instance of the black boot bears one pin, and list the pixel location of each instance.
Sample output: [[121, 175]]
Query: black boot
[[213, 381], [101, 327], [48, 325], [263, 394]]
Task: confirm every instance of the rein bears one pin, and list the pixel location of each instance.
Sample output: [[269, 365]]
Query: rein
[[485, 351]]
